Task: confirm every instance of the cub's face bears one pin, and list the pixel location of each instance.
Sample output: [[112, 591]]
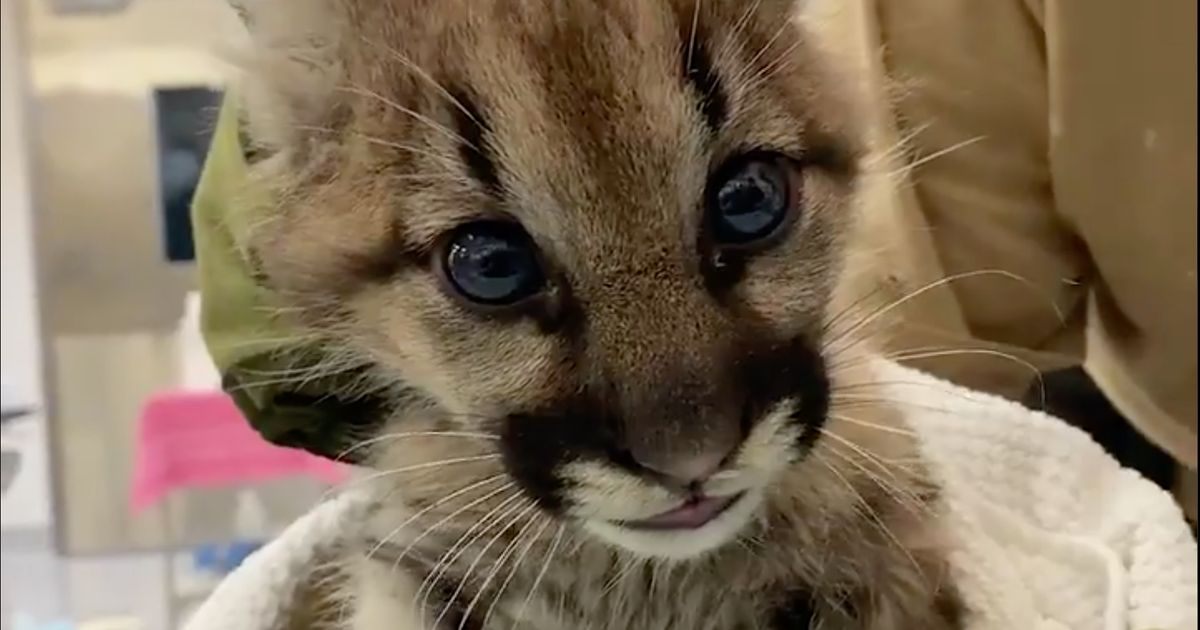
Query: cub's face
[[594, 239]]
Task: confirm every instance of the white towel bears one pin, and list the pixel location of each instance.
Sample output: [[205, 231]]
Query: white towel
[[1050, 533]]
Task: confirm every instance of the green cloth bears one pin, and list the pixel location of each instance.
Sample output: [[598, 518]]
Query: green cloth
[[261, 359]]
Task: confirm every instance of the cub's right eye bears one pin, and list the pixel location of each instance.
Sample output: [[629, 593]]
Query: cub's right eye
[[751, 199], [492, 263]]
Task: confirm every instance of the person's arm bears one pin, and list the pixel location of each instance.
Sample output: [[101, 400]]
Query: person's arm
[[266, 366], [1078, 174], [958, 205]]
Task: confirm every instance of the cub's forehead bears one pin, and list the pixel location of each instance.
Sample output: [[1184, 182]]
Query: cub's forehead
[[553, 106], [486, 37], [391, 122], [560, 108]]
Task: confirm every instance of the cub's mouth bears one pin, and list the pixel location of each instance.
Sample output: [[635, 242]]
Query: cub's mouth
[[692, 514], [698, 525]]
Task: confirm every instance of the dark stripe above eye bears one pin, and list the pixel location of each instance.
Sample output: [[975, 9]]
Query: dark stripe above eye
[[699, 71], [472, 128]]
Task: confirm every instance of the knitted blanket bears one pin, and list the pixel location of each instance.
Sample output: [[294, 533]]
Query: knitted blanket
[[1050, 533]]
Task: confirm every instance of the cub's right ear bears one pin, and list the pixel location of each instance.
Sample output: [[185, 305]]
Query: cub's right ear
[[291, 71]]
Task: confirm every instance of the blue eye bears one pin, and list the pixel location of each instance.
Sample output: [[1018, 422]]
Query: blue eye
[[493, 263], [749, 199]]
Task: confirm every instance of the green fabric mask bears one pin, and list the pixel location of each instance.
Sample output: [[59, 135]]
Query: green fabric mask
[[253, 350]]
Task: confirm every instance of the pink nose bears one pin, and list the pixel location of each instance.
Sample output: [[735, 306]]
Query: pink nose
[[686, 470]]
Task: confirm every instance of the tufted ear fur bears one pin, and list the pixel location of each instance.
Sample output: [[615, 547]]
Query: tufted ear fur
[[291, 71], [294, 68]]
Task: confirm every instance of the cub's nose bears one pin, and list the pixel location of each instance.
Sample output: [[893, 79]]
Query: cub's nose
[[682, 427], [684, 471]]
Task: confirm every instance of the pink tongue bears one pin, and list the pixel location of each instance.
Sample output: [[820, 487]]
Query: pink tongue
[[687, 516]]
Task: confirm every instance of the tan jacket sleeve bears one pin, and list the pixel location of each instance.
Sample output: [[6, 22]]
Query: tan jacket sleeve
[[1057, 141], [1123, 121]]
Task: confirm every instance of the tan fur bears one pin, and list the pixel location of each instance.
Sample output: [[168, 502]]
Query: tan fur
[[603, 157], [855, 520]]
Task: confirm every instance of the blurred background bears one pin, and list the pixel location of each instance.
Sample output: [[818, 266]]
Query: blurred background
[[125, 491], [107, 105]]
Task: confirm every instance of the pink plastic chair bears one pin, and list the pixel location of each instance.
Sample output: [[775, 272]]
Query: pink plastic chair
[[199, 439]]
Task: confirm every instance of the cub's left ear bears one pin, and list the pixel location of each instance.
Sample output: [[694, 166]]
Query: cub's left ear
[[775, 10], [291, 69]]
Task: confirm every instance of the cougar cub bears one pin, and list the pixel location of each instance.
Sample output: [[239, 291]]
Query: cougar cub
[[590, 250]]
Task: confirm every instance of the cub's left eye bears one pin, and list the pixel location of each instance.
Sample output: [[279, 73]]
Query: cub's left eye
[[749, 199], [492, 263]]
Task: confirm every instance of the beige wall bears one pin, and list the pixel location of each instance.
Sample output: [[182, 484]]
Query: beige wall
[[27, 502], [95, 177], [112, 303], [19, 362], [166, 27]]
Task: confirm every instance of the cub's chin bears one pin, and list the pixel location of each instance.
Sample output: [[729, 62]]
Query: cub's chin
[[692, 529]]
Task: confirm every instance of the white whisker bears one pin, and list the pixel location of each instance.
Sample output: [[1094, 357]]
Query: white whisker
[[412, 434], [541, 574], [446, 519], [881, 312], [408, 521], [912, 166], [422, 466], [462, 545], [425, 76], [901, 496], [499, 564], [546, 523], [871, 515], [691, 44], [428, 122], [873, 425]]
